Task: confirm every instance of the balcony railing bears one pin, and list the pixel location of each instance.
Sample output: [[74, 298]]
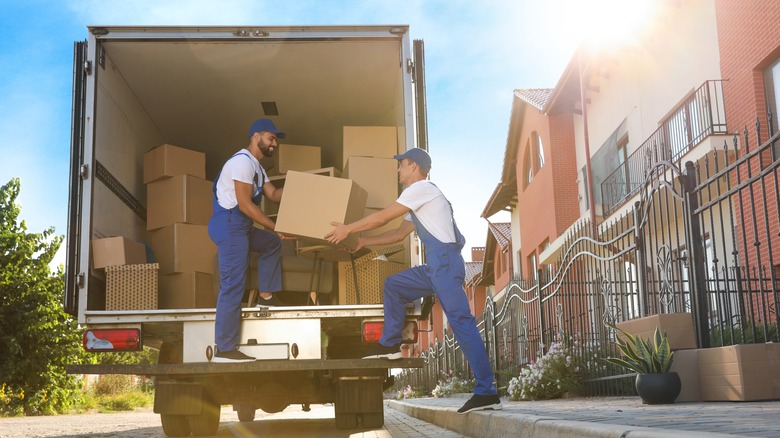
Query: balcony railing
[[699, 116]]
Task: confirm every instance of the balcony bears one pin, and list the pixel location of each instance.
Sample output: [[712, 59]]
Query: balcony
[[702, 114]]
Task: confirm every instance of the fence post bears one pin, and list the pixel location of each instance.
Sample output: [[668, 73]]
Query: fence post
[[542, 337], [639, 250], [696, 262]]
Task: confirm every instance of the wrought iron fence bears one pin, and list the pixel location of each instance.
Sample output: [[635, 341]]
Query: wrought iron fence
[[703, 239]]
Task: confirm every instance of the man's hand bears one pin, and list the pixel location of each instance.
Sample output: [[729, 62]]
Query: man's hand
[[339, 233], [286, 237]]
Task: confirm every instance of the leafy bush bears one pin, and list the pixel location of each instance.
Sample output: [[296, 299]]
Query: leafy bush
[[452, 384], [555, 373], [124, 402], [747, 332], [410, 392], [114, 384]]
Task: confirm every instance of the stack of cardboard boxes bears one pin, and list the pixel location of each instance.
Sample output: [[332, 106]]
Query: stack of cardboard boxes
[[745, 372], [179, 206], [131, 283]]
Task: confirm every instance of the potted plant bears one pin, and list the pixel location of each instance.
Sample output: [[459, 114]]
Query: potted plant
[[651, 359]]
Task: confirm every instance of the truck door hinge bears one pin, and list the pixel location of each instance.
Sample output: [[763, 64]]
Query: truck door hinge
[[84, 171], [80, 280], [87, 68], [409, 66]]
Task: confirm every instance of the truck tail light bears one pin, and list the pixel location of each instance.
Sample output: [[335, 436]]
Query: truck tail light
[[112, 340], [372, 331]]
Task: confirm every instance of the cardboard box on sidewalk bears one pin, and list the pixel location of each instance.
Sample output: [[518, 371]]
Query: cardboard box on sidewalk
[[178, 199], [677, 326], [117, 250], [168, 160], [745, 372], [311, 202], [686, 365]]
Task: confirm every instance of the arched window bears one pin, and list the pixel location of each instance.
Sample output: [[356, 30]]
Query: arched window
[[537, 142], [528, 166]]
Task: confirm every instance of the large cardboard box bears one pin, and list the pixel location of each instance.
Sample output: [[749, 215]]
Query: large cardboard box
[[271, 208], [686, 365], [677, 326], [178, 199], [168, 160], [131, 287], [183, 248], [369, 141], [188, 290], [744, 372], [296, 157], [311, 202], [117, 250], [379, 176]]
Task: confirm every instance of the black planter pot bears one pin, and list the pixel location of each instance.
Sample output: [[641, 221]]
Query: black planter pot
[[658, 388]]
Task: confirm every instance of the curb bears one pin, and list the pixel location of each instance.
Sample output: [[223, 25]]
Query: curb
[[504, 423]]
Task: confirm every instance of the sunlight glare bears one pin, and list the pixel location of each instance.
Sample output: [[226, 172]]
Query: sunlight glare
[[603, 23]]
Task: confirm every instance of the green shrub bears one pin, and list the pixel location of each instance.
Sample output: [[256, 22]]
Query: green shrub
[[124, 402], [554, 374], [114, 384]]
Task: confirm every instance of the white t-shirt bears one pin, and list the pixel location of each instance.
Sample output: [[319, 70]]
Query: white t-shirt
[[242, 167], [431, 208]]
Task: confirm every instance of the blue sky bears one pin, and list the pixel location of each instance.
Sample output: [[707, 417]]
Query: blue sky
[[477, 53]]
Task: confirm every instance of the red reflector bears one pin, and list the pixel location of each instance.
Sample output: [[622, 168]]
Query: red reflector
[[372, 331], [112, 340]]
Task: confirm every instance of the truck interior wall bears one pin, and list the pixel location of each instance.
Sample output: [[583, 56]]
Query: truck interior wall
[[123, 134]]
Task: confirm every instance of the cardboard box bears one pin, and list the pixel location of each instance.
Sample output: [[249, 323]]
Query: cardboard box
[[131, 287], [168, 160], [270, 208], [369, 141], [744, 372], [686, 365], [178, 199], [117, 250], [188, 290], [379, 176], [311, 202], [677, 326], [183, 248], [296, 157], [371, 273]]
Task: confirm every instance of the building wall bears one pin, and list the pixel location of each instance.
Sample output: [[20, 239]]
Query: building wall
[[749, 38]]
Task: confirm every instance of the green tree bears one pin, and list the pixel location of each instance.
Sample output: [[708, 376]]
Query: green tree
[[37, 337]]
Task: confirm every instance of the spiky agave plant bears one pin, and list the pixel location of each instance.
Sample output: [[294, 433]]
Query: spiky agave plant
[[643, 356]]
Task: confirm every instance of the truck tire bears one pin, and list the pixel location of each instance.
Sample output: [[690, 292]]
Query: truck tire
[[175, 425], [246, 413], [346, 420], [207, 422]]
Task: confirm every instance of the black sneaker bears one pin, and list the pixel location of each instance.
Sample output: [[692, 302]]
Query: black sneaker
[[232, 356], [274, 301], [379, 351], [481, 402]]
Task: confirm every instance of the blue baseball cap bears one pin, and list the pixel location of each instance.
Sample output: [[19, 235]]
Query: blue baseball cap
[[417, 155], [265, 125]]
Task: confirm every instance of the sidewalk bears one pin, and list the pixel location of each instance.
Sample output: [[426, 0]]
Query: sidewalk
[[618, 417]]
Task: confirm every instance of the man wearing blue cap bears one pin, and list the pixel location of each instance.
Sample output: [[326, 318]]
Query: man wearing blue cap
[[429, 213], [238, 189]]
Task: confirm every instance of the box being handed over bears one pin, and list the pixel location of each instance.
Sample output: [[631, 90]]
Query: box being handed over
[[311, 202]]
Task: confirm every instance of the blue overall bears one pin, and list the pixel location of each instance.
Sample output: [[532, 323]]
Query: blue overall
[[443, 274], [235, 235]]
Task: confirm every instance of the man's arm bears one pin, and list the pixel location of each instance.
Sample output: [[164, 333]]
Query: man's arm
[[272, 193], [370, 222], [249, 208], [388, 237]]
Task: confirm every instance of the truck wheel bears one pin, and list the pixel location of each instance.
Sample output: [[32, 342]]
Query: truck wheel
[[245, 413], [373, 420], [175, 425], [207, 422], [346, 420]]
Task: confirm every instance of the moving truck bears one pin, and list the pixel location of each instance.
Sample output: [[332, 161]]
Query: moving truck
[[156, 113]]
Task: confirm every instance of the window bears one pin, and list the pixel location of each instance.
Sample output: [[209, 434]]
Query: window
[[537, 141], [772, 87], [585, 197], [528, 166], [532, 264], [624, 187]]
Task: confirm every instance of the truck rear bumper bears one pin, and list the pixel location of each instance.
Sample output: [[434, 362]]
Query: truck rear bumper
[[192, 369]]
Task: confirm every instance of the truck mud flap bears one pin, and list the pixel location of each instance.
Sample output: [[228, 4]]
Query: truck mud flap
[[175, 398]]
